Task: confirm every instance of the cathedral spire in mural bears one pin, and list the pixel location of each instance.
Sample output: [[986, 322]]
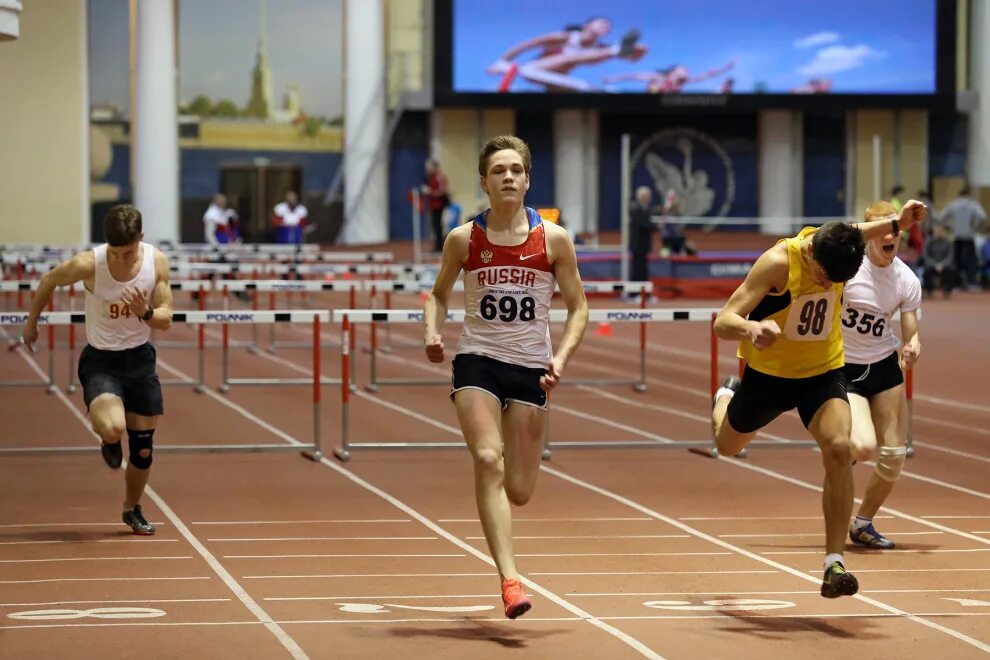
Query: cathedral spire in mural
[[260, 104]]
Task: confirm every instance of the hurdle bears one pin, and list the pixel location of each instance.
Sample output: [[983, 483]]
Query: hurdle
[[19, 318], [627, 288], [311, 450], [273, 286], [349, 317]]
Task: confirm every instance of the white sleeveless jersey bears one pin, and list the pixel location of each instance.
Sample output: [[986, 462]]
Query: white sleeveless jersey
[[507, 293], [110, 325], [871, 298]]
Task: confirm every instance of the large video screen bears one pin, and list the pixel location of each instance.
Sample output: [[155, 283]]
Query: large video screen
[[682, 47]]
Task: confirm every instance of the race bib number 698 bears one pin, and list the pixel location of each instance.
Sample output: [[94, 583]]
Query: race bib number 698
[[508, 308]]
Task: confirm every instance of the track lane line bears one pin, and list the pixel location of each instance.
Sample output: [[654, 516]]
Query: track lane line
[[284, 638]]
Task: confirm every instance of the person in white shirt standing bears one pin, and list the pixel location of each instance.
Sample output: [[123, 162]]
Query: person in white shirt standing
[[883, 286], [219, 222], [289, 218], [127, 294]]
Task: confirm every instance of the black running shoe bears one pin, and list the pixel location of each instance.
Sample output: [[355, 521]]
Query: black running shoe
[[135, 520], [838, 582], [628, 44], [113, 455]]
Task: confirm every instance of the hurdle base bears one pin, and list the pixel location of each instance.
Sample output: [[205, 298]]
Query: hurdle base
[[639, 387], [315, 455], [341, 454], [373, 388], [707, 452]]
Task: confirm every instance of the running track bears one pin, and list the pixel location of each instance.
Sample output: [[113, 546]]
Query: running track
[[627, 553]]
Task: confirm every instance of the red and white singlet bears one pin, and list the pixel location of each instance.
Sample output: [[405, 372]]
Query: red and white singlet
[[507, 293]]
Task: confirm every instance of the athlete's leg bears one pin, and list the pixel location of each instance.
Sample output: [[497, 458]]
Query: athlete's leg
[[728, 440], [831, 427], [889, 410], [480, 415], [523, 429], [106, 415], [535, 72], [863, 436], [136, 477]]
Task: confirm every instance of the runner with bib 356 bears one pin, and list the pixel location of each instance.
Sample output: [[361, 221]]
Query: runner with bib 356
[[786, 317]]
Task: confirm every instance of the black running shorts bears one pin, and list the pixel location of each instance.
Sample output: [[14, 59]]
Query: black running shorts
[[128, 374], [506, 382], [761, 397], [869, 379]]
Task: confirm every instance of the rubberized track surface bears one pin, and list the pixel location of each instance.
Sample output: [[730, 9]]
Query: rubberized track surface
[[627, 553]]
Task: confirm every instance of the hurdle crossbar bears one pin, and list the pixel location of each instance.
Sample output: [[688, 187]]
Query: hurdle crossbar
[[218, 317], [643, 289], [349, 317]]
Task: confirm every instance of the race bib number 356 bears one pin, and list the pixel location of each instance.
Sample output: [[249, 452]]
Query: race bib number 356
[[810, 317]]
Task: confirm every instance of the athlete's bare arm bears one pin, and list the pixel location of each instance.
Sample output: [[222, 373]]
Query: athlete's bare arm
[[769, 275], [912, 341], [711, 73], [455, 253], [80, 268], [161, 296], [911, 214], [564, 262]]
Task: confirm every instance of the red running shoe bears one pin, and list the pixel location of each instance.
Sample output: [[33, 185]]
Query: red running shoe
[[514, 598]]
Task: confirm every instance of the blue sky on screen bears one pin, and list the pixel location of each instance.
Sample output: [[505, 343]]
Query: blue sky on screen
[[872, 47]]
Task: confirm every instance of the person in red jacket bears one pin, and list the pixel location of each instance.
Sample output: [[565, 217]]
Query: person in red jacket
[[436, 190]]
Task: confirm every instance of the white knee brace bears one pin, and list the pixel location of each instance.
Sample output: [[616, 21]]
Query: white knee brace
[[890, 461]]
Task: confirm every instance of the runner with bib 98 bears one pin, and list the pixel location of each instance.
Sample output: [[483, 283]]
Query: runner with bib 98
[[786, 318]]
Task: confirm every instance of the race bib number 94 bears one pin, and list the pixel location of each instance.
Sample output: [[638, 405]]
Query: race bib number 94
[[116, 310], [810, 317]]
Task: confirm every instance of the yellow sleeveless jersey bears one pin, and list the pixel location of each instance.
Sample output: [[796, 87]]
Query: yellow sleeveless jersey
[[810, 342]]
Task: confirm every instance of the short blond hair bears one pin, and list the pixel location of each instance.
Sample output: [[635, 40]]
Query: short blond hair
[[879, 209]]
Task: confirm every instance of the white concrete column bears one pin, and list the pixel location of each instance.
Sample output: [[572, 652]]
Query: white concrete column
[[10, 23], [156, 135], [570, 155], [592, 154], [978, 145], [365, 146], [780, 157]]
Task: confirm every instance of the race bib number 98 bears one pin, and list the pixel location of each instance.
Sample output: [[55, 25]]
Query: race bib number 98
[[810, 317]]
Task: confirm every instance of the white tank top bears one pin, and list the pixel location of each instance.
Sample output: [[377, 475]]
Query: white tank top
[[871, 298], [507, 293], [110, 325]]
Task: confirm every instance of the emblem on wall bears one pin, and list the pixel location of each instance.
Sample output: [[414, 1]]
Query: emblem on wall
[[680, 163]]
